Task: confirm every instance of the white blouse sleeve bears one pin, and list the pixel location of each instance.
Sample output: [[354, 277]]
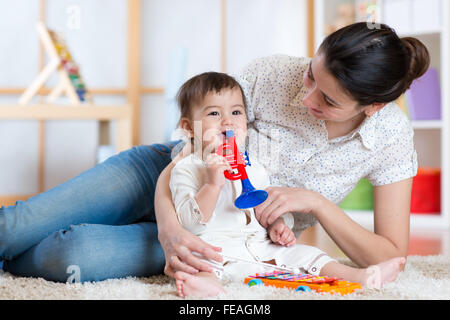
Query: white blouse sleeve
[[248, 79], [268, 79], [396, 161]]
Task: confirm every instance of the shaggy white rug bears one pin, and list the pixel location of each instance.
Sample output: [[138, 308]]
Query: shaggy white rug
[[424, 278]]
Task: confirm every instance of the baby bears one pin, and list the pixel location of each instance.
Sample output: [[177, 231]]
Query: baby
[[212, 103]]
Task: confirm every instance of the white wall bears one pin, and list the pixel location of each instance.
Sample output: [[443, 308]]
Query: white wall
[[97, 41], [18, 156]]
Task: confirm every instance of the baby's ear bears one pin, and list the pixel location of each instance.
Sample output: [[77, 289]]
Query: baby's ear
[[186, 126]]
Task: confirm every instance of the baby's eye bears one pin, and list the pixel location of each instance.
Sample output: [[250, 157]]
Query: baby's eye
[[237, 112], [213, 113]]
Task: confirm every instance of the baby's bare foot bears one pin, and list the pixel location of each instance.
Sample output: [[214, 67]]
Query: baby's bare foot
[[387, 271], [198, 286]]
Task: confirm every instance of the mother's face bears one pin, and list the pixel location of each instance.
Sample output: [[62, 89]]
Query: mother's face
[[326, 99]]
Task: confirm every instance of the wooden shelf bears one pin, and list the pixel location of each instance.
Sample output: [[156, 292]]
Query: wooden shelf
[[418, 221], [120, 113], [64, 112], [427, 124], [10, 200], [94, 91], [125, 116], [420, 33]]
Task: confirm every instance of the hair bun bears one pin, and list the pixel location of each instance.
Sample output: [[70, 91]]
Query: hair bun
[[420, 59]]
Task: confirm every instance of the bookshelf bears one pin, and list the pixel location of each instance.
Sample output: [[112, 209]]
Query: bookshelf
[[432, 137], [80, 106], [427, 124]]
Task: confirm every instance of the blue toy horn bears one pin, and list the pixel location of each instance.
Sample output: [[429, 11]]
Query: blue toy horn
[[250, 197]]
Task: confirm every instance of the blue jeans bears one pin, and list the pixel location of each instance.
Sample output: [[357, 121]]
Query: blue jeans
[[98, 225]]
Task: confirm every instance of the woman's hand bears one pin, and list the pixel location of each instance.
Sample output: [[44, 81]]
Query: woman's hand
[[282, 200], [178, 246]]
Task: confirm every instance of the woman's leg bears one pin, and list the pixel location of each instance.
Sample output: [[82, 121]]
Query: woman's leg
[[90, 252], [118, 191]]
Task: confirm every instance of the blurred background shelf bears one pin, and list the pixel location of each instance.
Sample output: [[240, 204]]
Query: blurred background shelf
[[132, 53], [427, 124], [418, 221]]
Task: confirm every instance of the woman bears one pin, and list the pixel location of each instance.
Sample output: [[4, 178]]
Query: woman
[[347, 131], [330, 118]]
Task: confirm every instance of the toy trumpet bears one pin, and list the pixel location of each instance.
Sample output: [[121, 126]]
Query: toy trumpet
[[250, 197]]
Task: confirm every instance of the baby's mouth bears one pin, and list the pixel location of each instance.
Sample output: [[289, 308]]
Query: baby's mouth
[[224, 132]]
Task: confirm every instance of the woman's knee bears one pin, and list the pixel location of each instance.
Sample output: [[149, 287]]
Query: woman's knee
[[97, 252], [89, 252], [61, 257], [68, 254]]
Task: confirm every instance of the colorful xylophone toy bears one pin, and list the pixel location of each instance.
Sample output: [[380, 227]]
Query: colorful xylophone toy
[[303, 282]]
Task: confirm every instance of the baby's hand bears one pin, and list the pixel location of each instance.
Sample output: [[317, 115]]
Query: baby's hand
[[280, 233], [215, 166]]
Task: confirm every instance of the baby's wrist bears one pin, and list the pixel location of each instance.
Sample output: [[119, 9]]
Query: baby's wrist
[[213, 187], [278, 221], [273, 224]]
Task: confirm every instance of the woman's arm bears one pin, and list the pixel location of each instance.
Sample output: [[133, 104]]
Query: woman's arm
[[391, 226], [391, 220], [178, 243]]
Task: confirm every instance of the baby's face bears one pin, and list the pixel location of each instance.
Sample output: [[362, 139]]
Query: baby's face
[[217, 113]]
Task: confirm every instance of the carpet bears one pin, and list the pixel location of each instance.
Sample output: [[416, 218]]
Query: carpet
[[424, 278]]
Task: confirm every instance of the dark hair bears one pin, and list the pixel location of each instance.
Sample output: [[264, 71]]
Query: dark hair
[[196, 88], [374, 64]]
